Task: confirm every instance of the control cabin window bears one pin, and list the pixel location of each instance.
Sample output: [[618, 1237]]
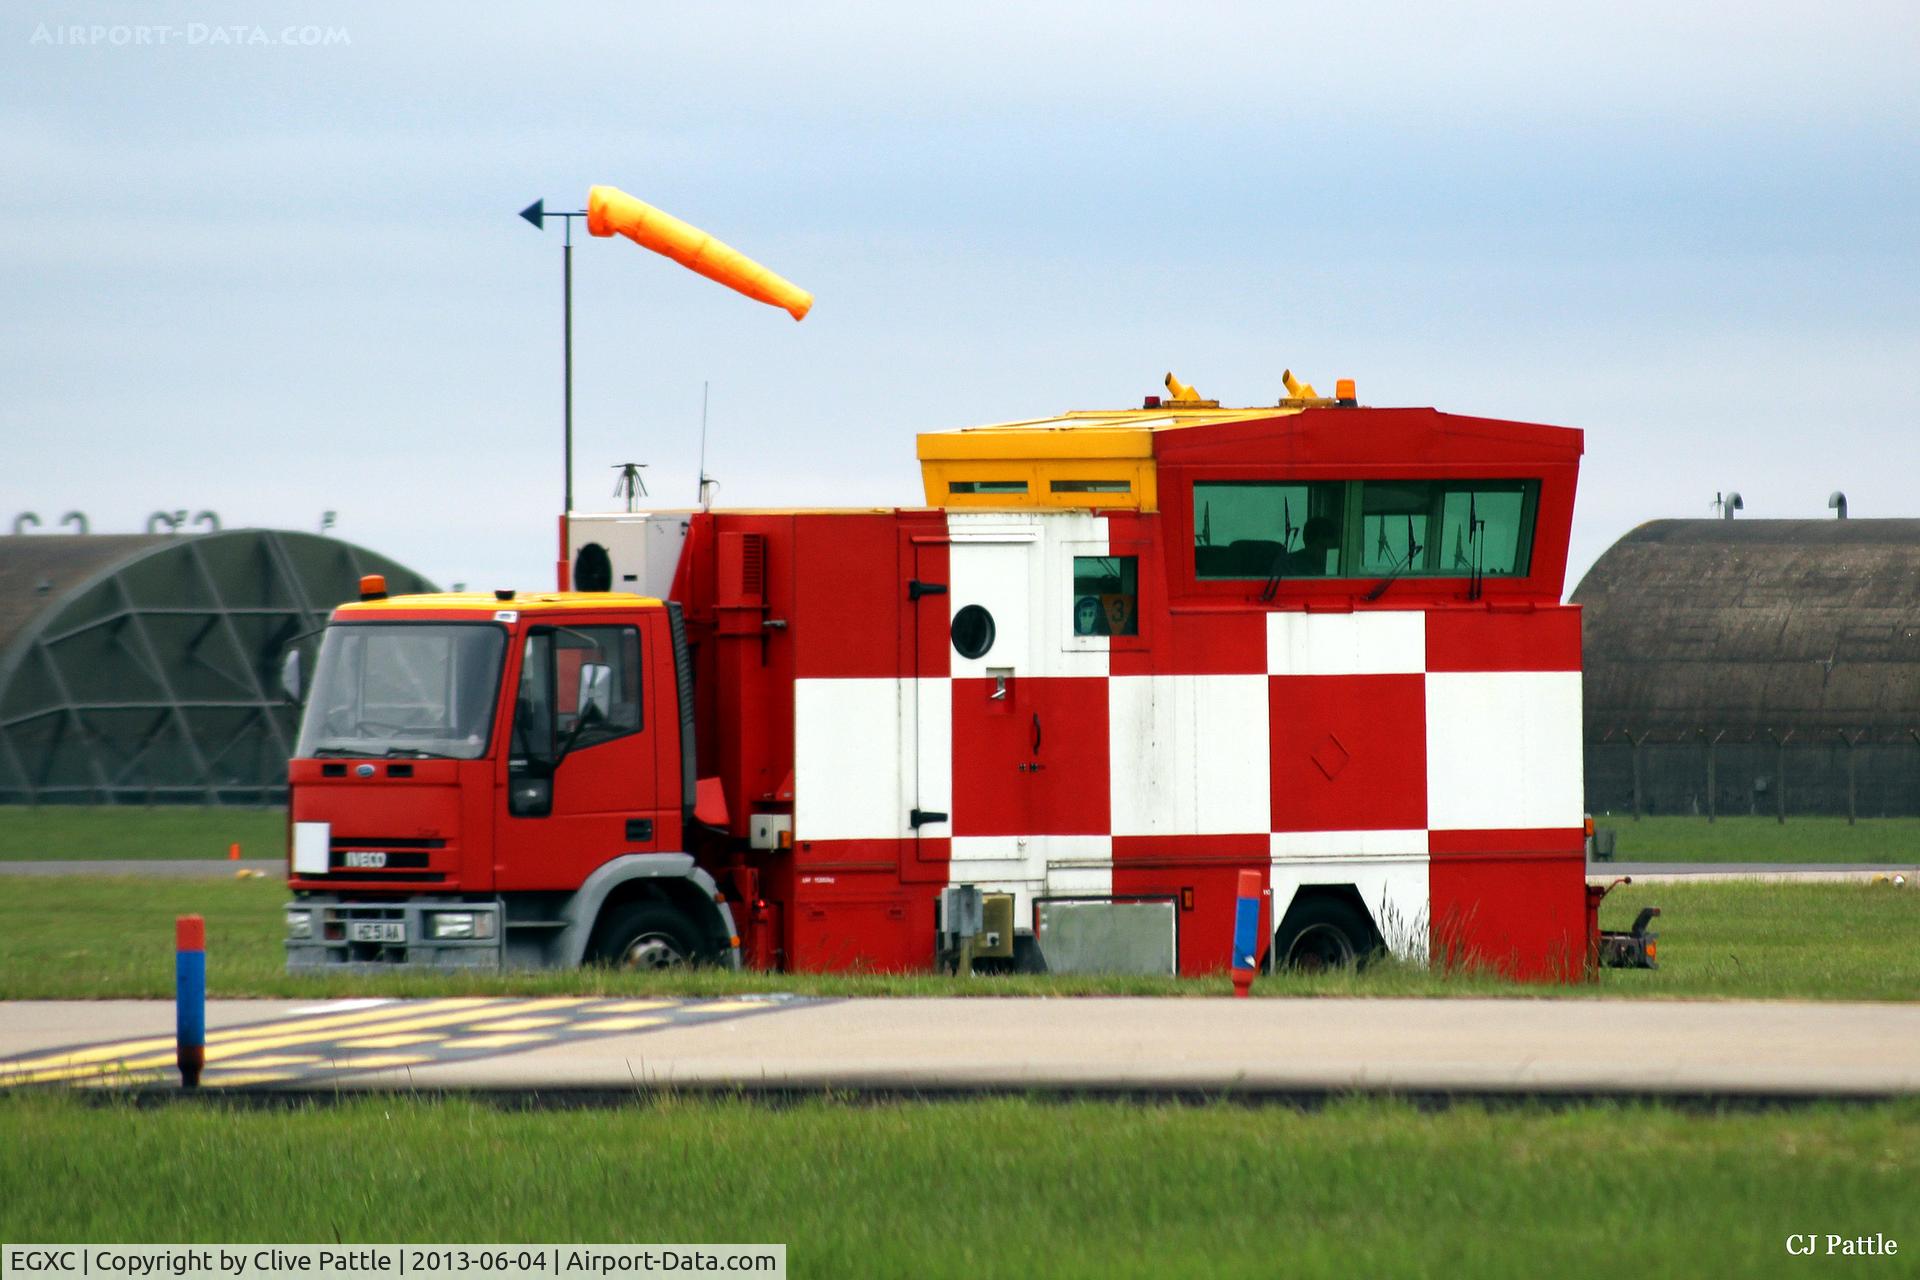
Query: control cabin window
[[1106, 595], [1446, 528], [1265, 529], [1363, 528]]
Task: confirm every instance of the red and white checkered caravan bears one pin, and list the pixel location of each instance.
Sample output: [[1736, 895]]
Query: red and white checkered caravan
[[1121, 657]]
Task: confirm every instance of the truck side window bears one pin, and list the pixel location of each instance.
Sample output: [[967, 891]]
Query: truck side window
[[1106, 596], [533, 743], [575, 650]]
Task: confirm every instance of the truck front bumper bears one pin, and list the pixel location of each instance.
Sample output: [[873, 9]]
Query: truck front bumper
[[328, 933]]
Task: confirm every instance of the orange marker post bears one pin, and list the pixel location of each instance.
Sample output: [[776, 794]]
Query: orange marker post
[[190, 997], [1246, 932]]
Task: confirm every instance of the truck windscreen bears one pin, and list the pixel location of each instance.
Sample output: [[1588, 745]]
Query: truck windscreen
[[403, 689]]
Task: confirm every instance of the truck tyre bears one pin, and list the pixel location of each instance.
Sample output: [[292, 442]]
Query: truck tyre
[[1323, 932], [646, 935]]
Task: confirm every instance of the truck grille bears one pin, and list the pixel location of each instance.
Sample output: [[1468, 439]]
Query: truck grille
[[404, 858]]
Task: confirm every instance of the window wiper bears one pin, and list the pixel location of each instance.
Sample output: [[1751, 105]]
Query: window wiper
[[1287, 531], [346, 751], [1413, 549]]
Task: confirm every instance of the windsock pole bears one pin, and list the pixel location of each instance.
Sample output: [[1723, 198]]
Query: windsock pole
[[537, 214], [566, 306], [1246, 932], [190, 997], [611, 211]]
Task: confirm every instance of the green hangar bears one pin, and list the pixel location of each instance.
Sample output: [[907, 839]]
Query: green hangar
[[144, 668]]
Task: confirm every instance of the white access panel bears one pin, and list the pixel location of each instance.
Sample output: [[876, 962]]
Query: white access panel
[[311, 842]]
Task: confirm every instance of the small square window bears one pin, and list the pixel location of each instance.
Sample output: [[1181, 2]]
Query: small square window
[[987, 486], [1106, 596]]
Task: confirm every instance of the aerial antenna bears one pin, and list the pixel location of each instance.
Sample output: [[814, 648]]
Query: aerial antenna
[[630, 485], [706, 499]]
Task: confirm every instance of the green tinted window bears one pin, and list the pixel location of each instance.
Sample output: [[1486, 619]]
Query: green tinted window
[[1363, 528], [1487, 526], [1260, 529], [1106, 596], [1395, 519]]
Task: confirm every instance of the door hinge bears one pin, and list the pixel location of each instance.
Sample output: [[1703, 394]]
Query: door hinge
[[917, 588], [918, 818]]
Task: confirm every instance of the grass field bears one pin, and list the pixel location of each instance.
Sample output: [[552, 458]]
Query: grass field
[[59, 831], [1015, 1187], [1750, 839], [79, 938], [164, 831]]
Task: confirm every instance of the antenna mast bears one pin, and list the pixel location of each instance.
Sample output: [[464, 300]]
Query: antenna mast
[[705, 480]]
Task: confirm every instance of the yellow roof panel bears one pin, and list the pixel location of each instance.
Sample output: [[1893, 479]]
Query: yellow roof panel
[[1080, 433], [488, 603], [1088, 458]]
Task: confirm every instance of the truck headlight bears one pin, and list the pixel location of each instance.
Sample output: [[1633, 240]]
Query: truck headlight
[[299, 924], [460, 924]]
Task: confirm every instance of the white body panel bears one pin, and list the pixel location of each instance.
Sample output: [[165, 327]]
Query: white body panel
[[644, 547], [1503, 750], [1188, 755]]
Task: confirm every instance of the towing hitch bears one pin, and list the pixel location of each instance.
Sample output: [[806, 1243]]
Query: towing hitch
[[1637, 948]]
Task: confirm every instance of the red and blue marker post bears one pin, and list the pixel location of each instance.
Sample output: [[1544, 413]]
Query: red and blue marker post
[[1246, 932], [190, 997]]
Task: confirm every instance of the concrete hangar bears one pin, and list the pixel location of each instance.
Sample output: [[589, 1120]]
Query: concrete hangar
[[1755, 666], [144, 668]]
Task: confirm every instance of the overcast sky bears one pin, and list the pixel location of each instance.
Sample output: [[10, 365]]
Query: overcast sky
[[272, 271]]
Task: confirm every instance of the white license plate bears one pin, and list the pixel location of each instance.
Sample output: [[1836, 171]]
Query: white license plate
[[376, 931]]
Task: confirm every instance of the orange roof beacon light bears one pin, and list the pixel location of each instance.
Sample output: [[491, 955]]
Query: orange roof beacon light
[[373, 586], [611, 211]]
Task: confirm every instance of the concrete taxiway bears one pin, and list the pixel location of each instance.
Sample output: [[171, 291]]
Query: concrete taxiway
[[1548, 1046]]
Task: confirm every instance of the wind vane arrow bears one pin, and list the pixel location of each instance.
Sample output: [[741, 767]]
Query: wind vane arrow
[[536, 213]]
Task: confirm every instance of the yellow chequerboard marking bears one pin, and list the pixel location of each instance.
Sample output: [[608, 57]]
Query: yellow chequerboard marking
[[268, 1040], [155, 1044], [119, 1079], [327, 1042], [619, 1024], [372, 1061], [634, 1006], [497, 1041], [727, 1006], [393, 1041]]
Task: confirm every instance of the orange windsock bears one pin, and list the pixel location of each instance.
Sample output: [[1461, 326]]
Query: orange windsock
[[611, 210]]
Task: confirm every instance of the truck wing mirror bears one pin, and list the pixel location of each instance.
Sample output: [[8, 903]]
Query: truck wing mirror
[[290, 677], [596, 692]]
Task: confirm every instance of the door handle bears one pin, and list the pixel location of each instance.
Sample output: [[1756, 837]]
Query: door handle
[[1036, 733]]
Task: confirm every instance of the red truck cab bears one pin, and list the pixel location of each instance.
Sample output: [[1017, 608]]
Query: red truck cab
[[498, 778]]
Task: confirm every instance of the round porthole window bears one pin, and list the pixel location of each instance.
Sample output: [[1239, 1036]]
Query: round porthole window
[[972, 631]]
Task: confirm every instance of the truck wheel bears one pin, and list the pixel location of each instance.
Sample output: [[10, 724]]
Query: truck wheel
[[1323, 933], [645, 935]]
